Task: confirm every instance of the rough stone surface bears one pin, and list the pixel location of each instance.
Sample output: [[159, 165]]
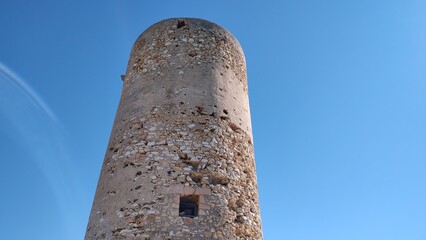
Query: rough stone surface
[[182, 128]]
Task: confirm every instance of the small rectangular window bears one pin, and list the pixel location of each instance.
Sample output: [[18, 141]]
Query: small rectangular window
[[188, 206]]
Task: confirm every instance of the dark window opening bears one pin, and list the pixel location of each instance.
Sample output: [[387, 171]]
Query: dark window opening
[[181, 23], [188, 206]]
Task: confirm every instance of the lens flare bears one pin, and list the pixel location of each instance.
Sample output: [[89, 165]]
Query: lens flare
[[28, 120]]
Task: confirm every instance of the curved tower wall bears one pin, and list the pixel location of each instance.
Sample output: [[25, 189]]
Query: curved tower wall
[[182, 131]]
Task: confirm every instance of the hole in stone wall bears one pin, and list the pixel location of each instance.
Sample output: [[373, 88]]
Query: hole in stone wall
[[183, 156], [200, 110], [196, 177], [188, 206], [192, 53], [239, 219], [192, 163], [126, 164], [216, 179], [181, 23], [234, 127]]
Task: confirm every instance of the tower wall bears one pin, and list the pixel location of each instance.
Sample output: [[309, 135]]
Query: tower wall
[[182, 129]]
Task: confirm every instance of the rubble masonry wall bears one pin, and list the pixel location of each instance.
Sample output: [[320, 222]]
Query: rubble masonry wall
[[182, 128]]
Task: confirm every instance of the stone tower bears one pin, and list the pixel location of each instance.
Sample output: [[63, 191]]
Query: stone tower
[[180, 161]]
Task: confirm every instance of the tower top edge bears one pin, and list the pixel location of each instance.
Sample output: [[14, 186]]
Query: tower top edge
[[188, 23]]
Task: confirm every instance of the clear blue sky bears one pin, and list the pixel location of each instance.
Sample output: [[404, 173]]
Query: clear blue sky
[[338, 103]]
